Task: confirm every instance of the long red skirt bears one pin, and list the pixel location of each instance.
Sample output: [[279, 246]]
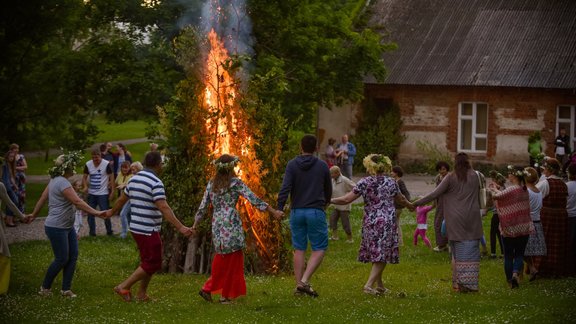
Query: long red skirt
[[227, 276]]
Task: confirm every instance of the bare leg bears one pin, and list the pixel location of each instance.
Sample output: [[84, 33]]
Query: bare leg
[[138, 275], [375, 274], [299, 265], [313, 263], [144, 287]]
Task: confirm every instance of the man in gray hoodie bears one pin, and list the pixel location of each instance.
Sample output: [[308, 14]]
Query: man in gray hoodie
[[307, 181]]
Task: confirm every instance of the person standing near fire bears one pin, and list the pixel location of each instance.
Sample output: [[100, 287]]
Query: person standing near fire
[[222, 193], [307, 181]]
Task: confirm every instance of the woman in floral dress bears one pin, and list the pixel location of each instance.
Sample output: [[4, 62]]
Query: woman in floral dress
[[379, 244], [223, 192]]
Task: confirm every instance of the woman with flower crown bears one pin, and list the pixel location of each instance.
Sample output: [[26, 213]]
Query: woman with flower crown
[[59, 225], [222, 193], [379, 244], [513, 204]]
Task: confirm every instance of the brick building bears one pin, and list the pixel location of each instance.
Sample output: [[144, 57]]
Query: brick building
[[473, 76]]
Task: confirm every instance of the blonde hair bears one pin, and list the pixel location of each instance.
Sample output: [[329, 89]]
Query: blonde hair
[[377, 164]]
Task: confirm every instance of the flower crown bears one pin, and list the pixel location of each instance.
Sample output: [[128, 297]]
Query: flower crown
[[221, 166], [497, 176], [67, 161], [519, 173], [377, 163]]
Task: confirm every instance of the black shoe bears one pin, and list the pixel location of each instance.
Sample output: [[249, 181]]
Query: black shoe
[[307, 289], [206, 295]]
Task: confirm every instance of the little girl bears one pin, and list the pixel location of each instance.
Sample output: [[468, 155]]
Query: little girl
[[121, 181], [422, 224], [78, 214], [125, 212]]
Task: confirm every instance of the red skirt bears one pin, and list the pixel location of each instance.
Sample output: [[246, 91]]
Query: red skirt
[[227, 276]]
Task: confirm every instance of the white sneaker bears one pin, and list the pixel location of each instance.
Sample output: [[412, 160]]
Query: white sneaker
[[44, 291], [68, 293]]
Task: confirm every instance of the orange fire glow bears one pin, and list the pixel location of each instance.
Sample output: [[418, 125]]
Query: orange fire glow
[[231, 133]]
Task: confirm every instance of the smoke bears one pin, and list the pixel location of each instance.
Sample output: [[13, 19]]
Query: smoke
[[229, 18]]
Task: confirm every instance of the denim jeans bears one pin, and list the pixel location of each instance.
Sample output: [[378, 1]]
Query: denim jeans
[[102, 202], [65, 247], [514, 254], [125, 219]]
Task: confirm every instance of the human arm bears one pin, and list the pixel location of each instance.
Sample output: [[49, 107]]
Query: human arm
[[287, 183], [111, 182], [85, 181], [400, 199], [327, 187], [120, 202], [351, 150], [437, 192], [6, 199], [168, 214], [403, 189], [39, 204], [73, 197], [203, 208], [346, 199]]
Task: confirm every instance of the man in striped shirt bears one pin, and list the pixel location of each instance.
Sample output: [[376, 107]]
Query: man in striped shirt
[[147, 208]]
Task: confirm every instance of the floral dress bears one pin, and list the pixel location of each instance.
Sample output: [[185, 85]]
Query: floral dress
[[227, 231], [20, 183], [379, 230]]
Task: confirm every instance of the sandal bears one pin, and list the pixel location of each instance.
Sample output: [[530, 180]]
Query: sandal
[[382, 290], [144, 299], [206, 295], [307, 289], [225, 301], [371, 291], [125, 294]]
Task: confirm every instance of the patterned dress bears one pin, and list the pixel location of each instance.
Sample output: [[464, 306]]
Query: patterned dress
[[20, 183], [227, 231], [379, 230]]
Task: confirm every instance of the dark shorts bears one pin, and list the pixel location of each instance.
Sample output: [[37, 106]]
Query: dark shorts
[[150, 247]]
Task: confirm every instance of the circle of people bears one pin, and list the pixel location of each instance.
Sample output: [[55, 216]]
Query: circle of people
[[530, 216]]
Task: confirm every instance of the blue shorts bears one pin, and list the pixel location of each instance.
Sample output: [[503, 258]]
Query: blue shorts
[[309, 224]]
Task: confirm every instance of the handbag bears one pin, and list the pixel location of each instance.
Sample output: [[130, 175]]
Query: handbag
[[481, 192]]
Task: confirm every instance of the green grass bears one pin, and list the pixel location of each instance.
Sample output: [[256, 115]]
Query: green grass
[[420, 287], [112, 132]]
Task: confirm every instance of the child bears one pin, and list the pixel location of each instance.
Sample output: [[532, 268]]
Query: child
[[78, 214], [422, 224], [500, 182], [121, 181], [125, 212], [397, 173]]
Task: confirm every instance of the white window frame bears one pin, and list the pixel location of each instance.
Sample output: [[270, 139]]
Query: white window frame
[[570, 121], [474, 119]]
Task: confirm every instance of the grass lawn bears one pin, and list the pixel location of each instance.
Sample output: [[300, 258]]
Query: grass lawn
[[420, 287]]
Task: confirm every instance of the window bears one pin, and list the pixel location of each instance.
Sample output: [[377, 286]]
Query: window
[[473, 127], [566, 118]]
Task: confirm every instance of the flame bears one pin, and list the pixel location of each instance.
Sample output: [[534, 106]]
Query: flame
[[231, 133]]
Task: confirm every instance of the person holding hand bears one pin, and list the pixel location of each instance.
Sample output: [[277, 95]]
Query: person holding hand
[[148, 206], [223, 192], [59, 225]]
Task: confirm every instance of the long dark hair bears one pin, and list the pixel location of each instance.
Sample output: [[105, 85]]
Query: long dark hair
[[224, 172], [461, 166]]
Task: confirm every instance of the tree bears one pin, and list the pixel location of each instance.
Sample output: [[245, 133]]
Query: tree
[[319, 52]]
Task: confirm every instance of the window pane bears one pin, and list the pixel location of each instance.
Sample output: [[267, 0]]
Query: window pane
[[465, 134], [481, 118], [564, 112], [481, 144], [466, 109]]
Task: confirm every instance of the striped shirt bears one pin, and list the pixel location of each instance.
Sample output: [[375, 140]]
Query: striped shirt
[[144, 189]]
